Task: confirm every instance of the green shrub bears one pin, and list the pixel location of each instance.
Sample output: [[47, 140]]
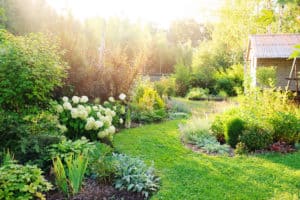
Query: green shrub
[[197, 93], [132, 174], [69, 179], [286, 127], [31, 67], [165, 86], [101, 163], [233, 129], [240, 148], [29, 135], [209, 144], [256, 138], [266, 76], [147, 105], [182, 79], [22, 182]]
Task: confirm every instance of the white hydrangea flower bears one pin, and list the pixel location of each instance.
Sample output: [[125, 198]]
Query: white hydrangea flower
[[59, 109], [111, 130], [81, 107], [98, 124], [121, 121], [84, 99], [122, 96], [74, 113], [67, 106], [95, 108], [62, 128], [75, 99], [88, 109], [113, 113], [111, 99], [115, 108], [103, 134], [99, 115], [83, 114], [90, 123], [65, 99]]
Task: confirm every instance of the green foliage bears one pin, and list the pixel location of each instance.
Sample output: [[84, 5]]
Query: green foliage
[[241, 148], [286, 127], [101, 163], [197, 93], [165, 86], [28, 135], [233, 130], [22, 182], [182, 79], [266, 76], [256, 138], [269, 112], [69, 179], [30, 69], [230, 80], [132, 174], [66, 148], [196, 131], [147, 105]]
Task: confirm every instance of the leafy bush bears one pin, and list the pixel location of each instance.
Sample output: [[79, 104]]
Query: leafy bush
[[230, 80], [268, 111], [233, 130], [147, 105], [256, 138], [29, 135], [30, 69], [165, 86], [266, 76], [286, 127], [132, 174], [182, 79], [241, 148], [69, 179], [83, 119], [210, 144], [101, 163], [197, 93], [22, 182]]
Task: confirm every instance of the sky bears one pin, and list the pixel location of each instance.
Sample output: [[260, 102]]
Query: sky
[[160, 12]]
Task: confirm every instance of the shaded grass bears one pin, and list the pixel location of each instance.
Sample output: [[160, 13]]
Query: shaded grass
[[189, 175]]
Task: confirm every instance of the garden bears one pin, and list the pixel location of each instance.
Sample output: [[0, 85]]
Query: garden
[[82, 122]]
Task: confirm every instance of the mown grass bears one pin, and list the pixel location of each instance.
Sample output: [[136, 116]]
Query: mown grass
[[189, 175]]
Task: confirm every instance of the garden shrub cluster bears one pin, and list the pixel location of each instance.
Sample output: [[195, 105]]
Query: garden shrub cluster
[[198, 93], [196, 131], [147, 106], [262, 118]]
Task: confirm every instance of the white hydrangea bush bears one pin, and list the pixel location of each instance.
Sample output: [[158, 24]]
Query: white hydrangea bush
[[118, 105], [84, 119]]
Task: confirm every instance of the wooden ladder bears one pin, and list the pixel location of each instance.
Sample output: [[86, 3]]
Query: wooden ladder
[[295, 78]]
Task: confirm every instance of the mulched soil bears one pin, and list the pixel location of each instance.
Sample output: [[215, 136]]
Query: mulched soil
[[93, 190]]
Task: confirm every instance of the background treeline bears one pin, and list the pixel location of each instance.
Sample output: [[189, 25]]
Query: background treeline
[[106, 55]]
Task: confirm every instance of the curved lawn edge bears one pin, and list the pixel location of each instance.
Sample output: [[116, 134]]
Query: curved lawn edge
[[189, 175]]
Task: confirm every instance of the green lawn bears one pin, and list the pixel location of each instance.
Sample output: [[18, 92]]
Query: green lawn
[[189, 175]]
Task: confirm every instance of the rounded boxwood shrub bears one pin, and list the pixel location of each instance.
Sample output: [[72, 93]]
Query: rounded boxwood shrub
[[233, 129], [256, 138]]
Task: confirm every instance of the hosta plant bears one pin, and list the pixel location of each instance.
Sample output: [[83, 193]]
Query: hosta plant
[[81, 118], [21, 182], [132, 174]]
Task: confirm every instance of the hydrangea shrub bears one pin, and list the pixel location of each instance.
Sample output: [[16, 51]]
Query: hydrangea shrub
[[80, 118]]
